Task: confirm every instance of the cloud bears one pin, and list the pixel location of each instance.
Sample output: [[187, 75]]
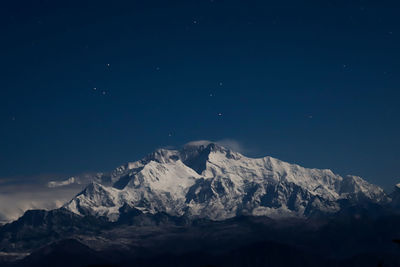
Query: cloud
[[15, 199], [69, 181], [232, 145], [199, 143]]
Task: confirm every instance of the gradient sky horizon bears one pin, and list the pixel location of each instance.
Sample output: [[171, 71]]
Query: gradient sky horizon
[[89, 85]]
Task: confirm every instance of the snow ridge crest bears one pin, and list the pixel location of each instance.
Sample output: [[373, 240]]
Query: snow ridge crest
[[207, 180]]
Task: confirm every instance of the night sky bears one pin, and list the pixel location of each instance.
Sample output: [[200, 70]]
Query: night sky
[[89, 85]]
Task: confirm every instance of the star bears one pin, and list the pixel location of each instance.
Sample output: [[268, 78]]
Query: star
[[347, 68], [108, 65], [220, 114], [95, 88]]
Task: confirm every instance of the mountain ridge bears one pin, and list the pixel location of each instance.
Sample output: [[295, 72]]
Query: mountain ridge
[[206, 180], [207, 199]]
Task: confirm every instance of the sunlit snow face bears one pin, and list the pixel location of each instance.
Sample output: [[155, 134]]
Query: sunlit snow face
[[207, 180]]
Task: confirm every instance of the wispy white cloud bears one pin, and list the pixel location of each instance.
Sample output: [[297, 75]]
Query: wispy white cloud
[[15, 199], [199, 143], [232, 145], [69, 181]]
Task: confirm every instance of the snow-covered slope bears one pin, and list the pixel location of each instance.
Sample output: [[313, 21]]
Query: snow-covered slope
[[205, 180], [395, 196]]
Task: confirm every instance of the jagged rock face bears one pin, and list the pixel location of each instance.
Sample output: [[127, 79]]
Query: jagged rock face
[[205, 180]]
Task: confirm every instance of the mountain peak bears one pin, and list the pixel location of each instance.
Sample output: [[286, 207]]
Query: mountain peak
[[204, 146], [162, 155], [204, 179], [188, 151], [196, 154]]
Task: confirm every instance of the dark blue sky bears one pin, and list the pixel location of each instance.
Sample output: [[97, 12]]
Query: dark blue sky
[[311, 82]]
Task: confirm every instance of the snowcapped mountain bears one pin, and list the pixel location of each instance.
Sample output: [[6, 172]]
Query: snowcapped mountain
[[206, 180], [395, 197]]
